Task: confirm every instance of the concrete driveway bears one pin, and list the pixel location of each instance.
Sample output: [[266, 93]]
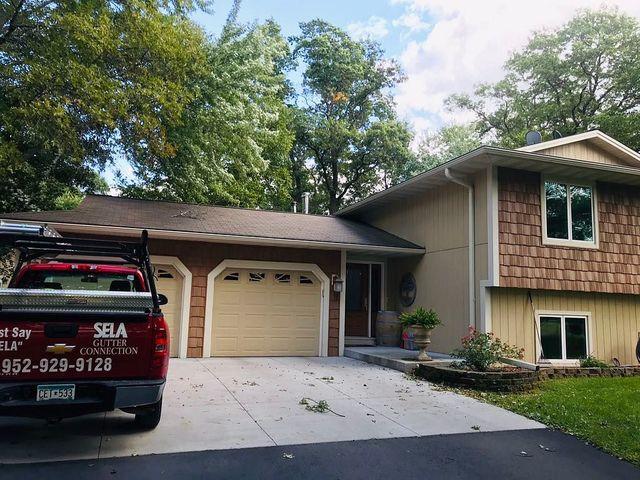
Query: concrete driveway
[[225, 403]]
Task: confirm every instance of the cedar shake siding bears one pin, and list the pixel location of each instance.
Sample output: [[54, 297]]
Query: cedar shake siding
[[525, 262]]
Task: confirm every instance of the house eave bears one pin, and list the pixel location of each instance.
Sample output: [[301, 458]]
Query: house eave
[[78, 228]]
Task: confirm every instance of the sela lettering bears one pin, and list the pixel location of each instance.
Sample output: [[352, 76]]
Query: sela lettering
[[108, 330], [9, 345]]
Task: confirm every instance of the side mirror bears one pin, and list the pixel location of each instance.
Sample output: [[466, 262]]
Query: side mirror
[[162, 299]]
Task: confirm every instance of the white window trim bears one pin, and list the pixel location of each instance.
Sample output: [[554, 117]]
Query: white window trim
[[594, 214], [159, 260], [323, 347], [562, 314]]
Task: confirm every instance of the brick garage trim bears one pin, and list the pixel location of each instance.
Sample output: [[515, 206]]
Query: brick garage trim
[[307, 267], [525, 262]]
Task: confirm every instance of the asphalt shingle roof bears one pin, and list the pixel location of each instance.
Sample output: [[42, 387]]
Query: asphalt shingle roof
[[179, 217]]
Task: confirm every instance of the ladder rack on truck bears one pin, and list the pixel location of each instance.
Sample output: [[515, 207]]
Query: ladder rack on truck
[[38, 242]]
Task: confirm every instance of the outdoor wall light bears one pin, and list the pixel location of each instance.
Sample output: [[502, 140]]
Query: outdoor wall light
[[338, 283]]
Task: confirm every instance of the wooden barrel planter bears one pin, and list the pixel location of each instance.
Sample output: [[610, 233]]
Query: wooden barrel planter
[[388, 329]]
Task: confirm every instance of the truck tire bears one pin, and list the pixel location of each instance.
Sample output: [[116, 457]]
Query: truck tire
[[149, 417]]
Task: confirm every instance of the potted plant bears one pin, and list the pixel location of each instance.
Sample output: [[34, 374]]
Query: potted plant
[[421, 322]]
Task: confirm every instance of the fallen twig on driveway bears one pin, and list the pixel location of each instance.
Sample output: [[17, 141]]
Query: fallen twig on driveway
[[321, 406]]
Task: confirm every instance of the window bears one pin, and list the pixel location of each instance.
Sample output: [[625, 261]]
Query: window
[[232, 277], [163, 274], [283, 278], [80, 280], [304, 280], [563, 337], [257, 276], [568, 213]]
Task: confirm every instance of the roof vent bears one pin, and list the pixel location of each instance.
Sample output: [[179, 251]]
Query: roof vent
[[532, 137]]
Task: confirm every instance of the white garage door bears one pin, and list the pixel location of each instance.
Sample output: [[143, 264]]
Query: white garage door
[[170, 283], [266, 313]]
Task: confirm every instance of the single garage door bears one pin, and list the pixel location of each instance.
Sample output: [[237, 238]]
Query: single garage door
[[266, 313], [169, 282]]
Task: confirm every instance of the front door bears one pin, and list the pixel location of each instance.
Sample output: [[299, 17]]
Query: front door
[[357, 300]]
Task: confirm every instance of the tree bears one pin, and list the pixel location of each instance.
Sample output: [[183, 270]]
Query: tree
[[84, 82], [449, 142], [232, 143], [582, 76], [347, 132]]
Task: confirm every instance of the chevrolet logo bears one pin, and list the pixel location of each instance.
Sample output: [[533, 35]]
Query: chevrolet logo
[[60, 348]]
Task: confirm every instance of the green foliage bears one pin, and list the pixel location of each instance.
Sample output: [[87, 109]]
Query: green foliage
[[593, 362], [82, 83], [68, 200], [581, 76], [482, 350], [449, 142], [345, 123], [233, 138], [421, 317], [601, 411]]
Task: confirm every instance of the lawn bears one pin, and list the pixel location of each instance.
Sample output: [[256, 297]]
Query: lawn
[[603, 411]]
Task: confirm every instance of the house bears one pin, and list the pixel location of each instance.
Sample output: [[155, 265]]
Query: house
[[539, 245]]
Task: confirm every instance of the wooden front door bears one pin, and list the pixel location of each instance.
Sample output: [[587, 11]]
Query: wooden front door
[[357, 300]]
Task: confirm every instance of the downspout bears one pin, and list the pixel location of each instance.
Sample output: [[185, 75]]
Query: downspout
[[472, 242]]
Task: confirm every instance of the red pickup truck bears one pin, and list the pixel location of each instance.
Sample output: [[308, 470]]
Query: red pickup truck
[[81, 337]]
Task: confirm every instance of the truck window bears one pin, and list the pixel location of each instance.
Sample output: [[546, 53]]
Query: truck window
[[80, 280]]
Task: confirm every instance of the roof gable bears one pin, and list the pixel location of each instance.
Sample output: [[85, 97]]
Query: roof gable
[[593, 146]]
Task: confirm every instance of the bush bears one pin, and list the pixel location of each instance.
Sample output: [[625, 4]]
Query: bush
[[593, 362], [481, 350], [425, 318]]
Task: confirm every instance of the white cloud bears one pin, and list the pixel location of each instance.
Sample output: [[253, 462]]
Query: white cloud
[[412, 21], [468, 44], [374, 28]]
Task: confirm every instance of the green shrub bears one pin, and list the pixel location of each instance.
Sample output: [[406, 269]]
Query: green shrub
[[593, 362], [481, 350], [425, 318]]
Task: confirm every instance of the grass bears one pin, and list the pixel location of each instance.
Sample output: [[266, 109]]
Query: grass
[[602, 411]]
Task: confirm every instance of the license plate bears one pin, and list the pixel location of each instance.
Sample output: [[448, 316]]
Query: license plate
[[55, 392]]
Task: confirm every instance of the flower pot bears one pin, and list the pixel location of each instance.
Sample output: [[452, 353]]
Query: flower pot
[[422, 339]]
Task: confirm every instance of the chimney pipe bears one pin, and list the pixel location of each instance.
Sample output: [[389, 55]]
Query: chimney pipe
[[305, 196]]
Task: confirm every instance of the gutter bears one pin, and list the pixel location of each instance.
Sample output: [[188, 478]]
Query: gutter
[[472, 241]]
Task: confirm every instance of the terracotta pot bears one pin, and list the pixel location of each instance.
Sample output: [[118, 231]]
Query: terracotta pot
[[422, 339]]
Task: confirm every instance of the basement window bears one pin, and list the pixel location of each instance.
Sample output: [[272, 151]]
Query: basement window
[[568, 214], [563, 337]]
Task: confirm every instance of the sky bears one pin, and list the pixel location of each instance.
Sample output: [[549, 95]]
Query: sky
[[443, 46]]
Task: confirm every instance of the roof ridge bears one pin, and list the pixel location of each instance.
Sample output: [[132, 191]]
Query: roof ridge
[[208, 205]]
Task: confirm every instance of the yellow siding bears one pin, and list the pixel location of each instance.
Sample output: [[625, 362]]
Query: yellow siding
[[583, 151], [437, 219], [614, 319]]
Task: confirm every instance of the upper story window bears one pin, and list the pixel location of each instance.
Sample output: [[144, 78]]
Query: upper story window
[[568, 214]]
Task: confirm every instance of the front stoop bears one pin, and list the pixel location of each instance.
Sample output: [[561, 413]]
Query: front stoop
[[393, 357]]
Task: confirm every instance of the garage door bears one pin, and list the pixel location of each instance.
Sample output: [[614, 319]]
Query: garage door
[[266, 313], [169, 282]]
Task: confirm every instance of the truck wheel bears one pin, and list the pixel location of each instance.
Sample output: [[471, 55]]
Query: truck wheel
[[149, 418]]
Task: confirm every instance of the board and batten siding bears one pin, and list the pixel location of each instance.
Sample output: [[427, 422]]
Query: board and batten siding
[[437, 219], [613, 328]]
